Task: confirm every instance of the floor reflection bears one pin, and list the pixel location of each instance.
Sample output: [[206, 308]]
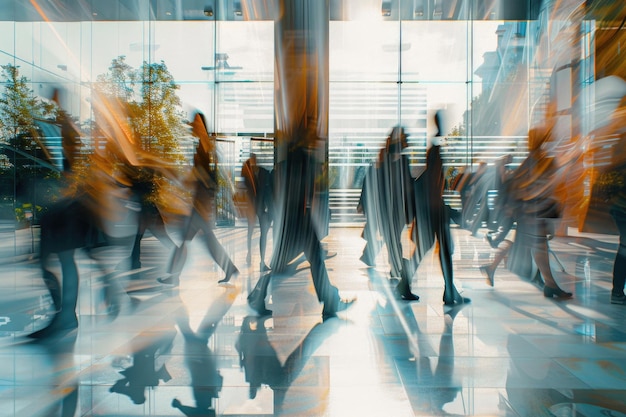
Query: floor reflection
[[199, 350]]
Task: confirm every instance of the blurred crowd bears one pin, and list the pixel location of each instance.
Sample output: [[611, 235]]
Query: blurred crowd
[[111, 198]]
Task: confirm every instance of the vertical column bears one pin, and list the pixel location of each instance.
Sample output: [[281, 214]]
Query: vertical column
[[301, 103]]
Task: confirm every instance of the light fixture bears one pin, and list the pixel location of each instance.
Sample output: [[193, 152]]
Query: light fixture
[[208, 11], [237, 8]]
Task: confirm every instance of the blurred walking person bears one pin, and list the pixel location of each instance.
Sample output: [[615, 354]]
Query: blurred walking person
[[202, 218], [530, 198], [260, 195], [297, 228]]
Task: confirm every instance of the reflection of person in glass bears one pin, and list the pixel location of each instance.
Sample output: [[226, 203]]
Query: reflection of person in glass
[[200, 360], [428, 373]]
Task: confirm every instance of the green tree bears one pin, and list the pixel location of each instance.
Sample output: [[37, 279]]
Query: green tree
[[19, 108], [26, 177], [155, 115], [119, 82], [154, 108]]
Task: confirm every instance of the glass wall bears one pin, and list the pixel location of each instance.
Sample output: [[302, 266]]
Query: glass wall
[[494, 79], [385, 73]]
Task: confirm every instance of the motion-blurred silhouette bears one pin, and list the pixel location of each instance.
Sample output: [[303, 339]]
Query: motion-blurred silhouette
[[145, 372], [260, 194], [100, 210], [432, 218], [202, 216], [297, 228], [388, 200], [530, 198], [261, 364]]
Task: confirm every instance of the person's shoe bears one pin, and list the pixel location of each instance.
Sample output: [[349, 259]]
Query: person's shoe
[[488, 273], [457, 301], [172, 281], [402, 292], [494, 238], [618, 298], [409, 297], [228, 276], [550, 292]]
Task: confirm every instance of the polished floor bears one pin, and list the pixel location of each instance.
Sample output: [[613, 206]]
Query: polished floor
[[511, 352]]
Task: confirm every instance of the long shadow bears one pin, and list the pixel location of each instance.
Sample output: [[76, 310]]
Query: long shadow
[[262, 366], [555, 401], [428, 388], [200, 360], [143, 373]]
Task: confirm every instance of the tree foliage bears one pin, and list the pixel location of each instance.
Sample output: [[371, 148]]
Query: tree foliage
[[25, 174], [19, 107], [155, 116], [154, 108]]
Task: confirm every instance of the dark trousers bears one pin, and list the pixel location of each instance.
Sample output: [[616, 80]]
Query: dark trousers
[[619, 266], [265, 222], [392, 234], [372, 244], [150, 218], [195, 223], [440, 218], [326, 292]]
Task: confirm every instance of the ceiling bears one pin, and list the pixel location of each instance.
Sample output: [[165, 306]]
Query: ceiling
[[142, 10]]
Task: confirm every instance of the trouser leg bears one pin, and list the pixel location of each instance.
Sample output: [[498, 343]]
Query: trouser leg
[[218, 252], [326, 292], [69, 290], [619, 265]]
